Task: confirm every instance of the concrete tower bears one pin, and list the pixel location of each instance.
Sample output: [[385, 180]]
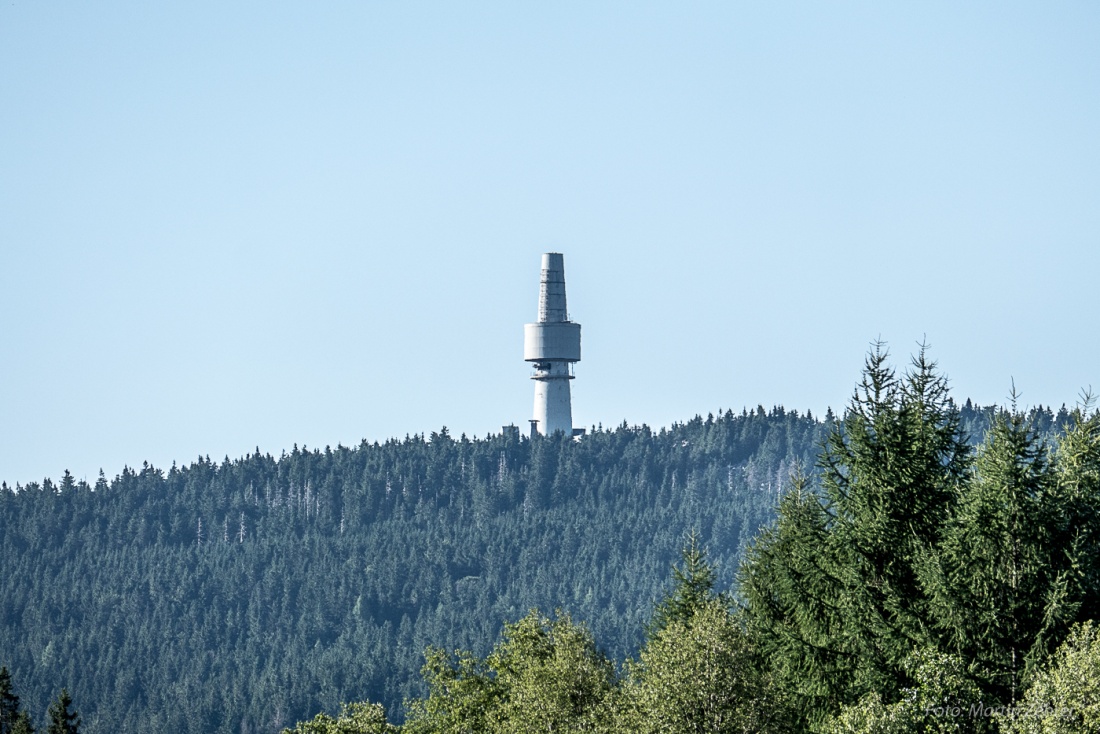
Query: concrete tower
[[552, 344]]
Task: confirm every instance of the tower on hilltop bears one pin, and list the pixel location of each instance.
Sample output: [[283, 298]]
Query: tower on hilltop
[[552, 345]]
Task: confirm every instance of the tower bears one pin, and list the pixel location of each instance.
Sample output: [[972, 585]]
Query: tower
[[552, 345]]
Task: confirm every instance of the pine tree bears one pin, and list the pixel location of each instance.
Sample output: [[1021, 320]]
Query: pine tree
[[9, 703], [892, 475], [62, 720], [792, 603], [915, 547], [693, 587]]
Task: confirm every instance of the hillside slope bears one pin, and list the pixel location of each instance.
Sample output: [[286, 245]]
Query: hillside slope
[[247, 595]]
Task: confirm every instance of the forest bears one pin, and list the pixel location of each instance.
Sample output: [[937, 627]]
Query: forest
[[911, 565], [249, 594]]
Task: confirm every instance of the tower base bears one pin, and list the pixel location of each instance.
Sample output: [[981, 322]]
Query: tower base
[[553, 409]]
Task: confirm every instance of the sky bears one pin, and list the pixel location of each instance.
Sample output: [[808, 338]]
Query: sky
[[236, 226]]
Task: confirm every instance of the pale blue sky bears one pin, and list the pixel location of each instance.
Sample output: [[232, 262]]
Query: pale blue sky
[[231, 225]]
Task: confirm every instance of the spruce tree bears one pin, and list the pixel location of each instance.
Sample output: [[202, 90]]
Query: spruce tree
[[1077, 477], [9, 703], [892, 475], [62, 719], [792, 595], [693, 588], [915, 547], [833, 591], [1006, 577]]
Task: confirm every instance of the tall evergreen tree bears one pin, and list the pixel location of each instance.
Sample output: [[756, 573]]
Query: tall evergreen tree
[[1005, 581], [9, 703], [793, 603], [62, 719], [891, 476], [1077, 478], [834, 590], [693, 587], [915, 547]]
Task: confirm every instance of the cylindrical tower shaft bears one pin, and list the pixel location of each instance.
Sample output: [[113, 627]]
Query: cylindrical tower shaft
[[553, 403], [552, 344]]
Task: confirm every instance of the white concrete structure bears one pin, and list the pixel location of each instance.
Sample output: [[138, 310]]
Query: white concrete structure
[[552, 344]]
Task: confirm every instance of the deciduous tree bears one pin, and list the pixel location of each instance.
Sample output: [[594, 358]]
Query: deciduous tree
[[699, 675], [354, 718]]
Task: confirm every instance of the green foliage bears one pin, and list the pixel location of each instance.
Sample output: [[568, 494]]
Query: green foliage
[[1064, 697], [696, 673], [22, 724], [833, 590], [462, 690], [545, 675], [13, 720], [792, 595], [1077, 477], [353, 559], [693, 587], [551, 676], [248, 594], [354, 718], [699, 674], [943, 698], [9, 702], [1002, 581], [915, 544], [891, 474], [63, 720]]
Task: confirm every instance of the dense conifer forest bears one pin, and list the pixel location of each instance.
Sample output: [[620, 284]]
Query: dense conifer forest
[[252, 593], [752, 571]]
